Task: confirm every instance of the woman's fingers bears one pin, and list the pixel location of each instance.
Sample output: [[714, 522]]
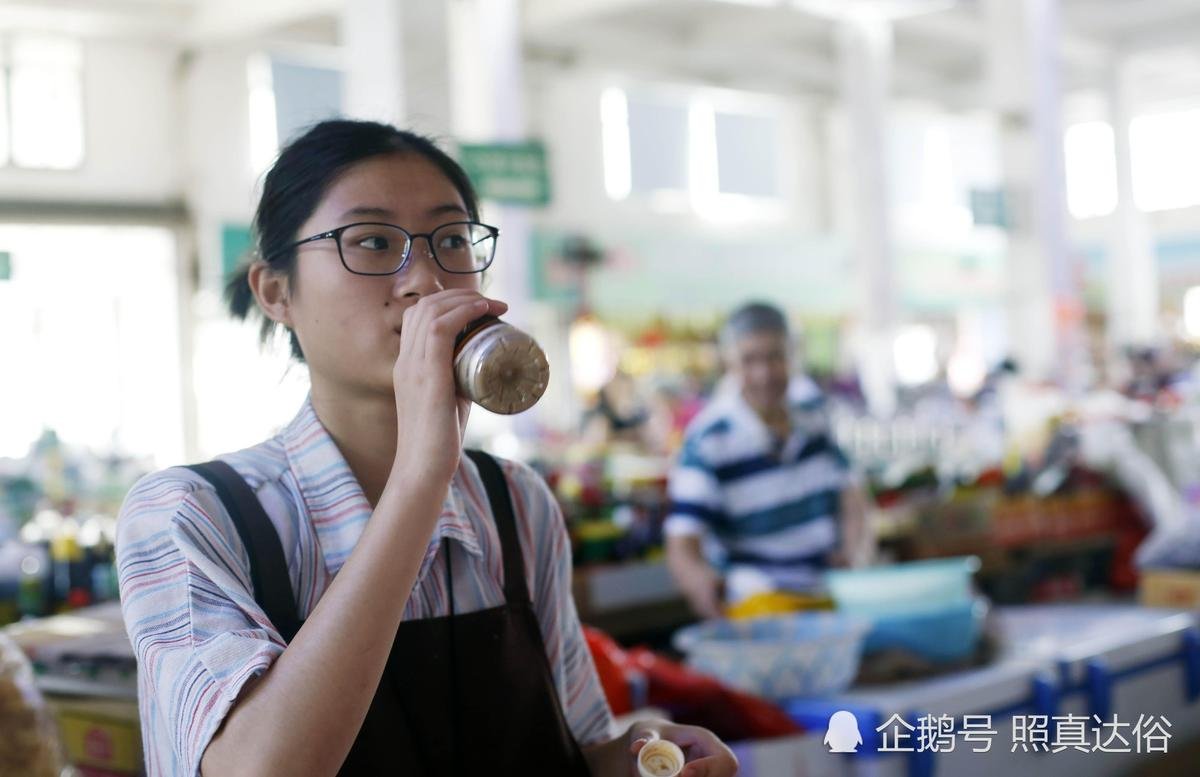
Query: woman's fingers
[[711, 766], [708, 755], [429, 327]]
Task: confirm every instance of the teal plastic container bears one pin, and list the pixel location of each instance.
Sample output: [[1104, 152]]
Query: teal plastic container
[[950, 633], [914, 586], [925, 607]]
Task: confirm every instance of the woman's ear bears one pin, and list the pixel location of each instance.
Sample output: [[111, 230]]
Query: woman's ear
[[271, 291]]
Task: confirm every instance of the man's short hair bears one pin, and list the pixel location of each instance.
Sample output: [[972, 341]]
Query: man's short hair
[[753, 318]]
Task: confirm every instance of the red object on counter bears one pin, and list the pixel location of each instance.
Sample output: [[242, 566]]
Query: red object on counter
[[691, 698], [611, 664]]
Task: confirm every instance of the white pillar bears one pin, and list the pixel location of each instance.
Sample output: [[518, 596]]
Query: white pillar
[[489, 107], [1132, 293], [865, 53], [397, 64], [1044, 303], [373, 50]]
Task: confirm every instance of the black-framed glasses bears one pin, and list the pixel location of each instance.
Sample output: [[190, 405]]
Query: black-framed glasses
[[375, 248]]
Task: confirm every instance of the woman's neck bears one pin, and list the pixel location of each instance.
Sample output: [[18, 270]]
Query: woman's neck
[[364, 429]]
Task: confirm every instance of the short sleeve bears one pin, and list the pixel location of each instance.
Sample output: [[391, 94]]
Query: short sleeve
[[544, 538], [189, 609], [694, 493]]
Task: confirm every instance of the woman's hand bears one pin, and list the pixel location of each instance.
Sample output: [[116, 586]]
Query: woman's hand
[[706, 755], [430, 413]]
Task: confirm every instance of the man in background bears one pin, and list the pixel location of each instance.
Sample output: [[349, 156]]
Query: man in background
[[761, 496]]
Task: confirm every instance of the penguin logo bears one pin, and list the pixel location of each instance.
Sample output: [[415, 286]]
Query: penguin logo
[[843, 735]]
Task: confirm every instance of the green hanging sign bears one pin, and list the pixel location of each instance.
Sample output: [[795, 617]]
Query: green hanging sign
[[236, 242], [5, 266], [990, 207], [510, 173]]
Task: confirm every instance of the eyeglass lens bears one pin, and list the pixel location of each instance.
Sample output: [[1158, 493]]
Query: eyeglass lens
[[380, 249]]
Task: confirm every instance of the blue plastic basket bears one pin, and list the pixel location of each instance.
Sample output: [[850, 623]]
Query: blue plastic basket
[[799, 654]]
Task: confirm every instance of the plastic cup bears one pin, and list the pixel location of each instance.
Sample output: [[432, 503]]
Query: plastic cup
[[660, 758]]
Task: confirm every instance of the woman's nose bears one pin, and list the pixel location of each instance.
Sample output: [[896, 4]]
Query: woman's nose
[[420, 275]]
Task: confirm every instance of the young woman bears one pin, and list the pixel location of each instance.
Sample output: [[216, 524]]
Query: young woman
[[355, 596]]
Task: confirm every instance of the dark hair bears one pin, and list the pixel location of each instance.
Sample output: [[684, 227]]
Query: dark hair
[[752, 318], [297, 181]]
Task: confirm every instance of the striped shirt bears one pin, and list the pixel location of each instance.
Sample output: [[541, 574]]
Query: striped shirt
[[766, 508], [189, 604]]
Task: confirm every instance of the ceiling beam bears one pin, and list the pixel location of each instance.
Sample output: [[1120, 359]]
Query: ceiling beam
[[236, 19], [968, 31], [734, 63], [87, 20], [541, 16], [1180, 35]]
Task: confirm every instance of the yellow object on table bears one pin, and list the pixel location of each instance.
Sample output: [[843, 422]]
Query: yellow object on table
[[777, 603], [100, 733]]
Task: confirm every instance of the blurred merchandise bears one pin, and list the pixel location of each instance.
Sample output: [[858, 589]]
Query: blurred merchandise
[[84, 665], [58, 528], [1172, 588], [638, 678], [29, 745], [777, 603], [100, 737]]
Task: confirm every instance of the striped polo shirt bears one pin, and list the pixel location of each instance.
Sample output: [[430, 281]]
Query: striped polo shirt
[[189, 604], [764, 505]]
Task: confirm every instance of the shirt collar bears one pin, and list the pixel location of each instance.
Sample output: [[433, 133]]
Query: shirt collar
[[335, 502], [803, 397]]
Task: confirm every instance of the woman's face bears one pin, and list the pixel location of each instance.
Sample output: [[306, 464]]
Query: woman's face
[[349, 325]]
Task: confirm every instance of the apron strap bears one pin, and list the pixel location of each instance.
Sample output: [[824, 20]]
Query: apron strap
[[268, 568], [515, 590]]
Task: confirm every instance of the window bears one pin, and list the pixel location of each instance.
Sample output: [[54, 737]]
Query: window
[[1091, 169], [1166, 159], [285, 99], [658, 145], [719, 150], [304, 95], [95, 358], [41, 99], [1191, 313], [747, 147]]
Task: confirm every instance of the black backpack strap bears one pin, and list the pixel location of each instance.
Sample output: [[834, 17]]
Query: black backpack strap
[[268, 566], [515, 589]]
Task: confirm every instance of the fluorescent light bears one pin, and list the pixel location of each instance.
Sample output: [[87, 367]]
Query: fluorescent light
[[965, 373], [593, 357], [1091, 169], [264, 130], [915, 351], [614, 132], [1191, 313], [702, 157], [1166, 160]]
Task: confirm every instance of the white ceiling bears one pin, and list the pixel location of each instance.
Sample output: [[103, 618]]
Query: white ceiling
[[773, 45], [756, 44]]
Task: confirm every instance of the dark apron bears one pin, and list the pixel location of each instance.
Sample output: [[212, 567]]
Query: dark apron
[[460, 694]]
